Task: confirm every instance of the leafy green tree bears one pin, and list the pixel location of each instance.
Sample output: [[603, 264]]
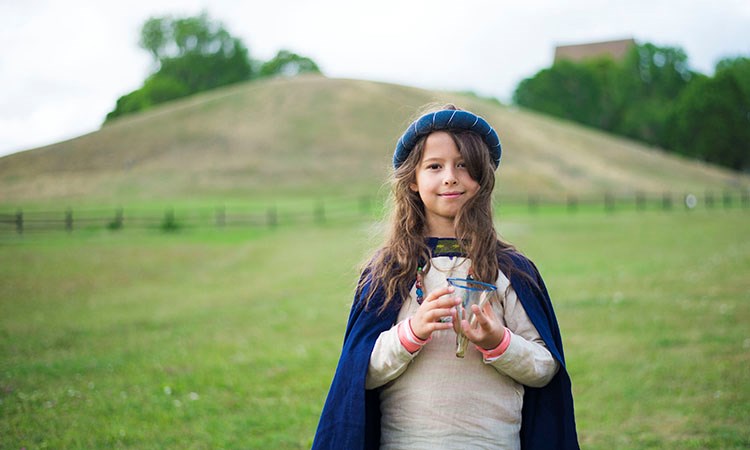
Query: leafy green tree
[[288, 64], [167, 38], [190, 55], [194, 54], [154, 36], [737, 68], [656, 72], [652, 77], [565, 90], [157, 88], [712, 120]]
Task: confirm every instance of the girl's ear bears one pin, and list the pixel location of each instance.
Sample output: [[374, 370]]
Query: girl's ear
[[414, 187]]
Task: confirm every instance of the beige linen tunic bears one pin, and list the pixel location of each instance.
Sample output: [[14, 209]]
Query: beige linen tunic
[[433, 400]]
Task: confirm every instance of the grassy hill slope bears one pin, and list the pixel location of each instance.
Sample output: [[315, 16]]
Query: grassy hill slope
[[323, 136]]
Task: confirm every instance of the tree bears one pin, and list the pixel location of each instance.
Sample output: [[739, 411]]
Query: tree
[[656, 72], [190, 55], [288, 64], [167, 38], [737, 68], [194, 54], [713, 116], [651, 77], [565, 90]]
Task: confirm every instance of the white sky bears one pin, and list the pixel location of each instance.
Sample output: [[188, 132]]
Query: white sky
[[64, 63]]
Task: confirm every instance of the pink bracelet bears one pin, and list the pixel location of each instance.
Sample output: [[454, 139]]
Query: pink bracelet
[[498, 351], [408, 339]]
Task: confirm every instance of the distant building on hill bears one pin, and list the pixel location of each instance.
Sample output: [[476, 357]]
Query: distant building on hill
[[616, 49]]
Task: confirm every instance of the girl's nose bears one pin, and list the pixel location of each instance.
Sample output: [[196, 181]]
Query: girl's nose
[[450, 178]]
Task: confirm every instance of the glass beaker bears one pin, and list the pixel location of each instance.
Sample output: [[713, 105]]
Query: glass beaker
[[470, 292]]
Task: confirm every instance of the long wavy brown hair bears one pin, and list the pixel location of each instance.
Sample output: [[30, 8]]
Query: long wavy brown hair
[[393, 267]]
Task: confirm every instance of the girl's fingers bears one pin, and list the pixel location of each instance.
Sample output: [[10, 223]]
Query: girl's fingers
[[478, 319], [456, 323], [444, 302], [441, 325], [437, 314], [425, 329], [474, 333], [437, 293], [483, 317], [467, 329], [433, 314], [484, 327]]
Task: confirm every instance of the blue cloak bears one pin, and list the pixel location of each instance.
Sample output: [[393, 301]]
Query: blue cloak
[[351, 415]]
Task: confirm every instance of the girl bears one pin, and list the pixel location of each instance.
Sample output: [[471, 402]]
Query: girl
[[398, 384]]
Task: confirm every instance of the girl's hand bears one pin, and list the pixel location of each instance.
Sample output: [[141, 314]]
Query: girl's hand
[[434, 307], [488, 330]]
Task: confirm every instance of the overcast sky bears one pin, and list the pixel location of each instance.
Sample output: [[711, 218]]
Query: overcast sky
[[64, 63]]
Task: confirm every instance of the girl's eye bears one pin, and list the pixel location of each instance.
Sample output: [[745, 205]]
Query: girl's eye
[[433, 166], [461, 165]]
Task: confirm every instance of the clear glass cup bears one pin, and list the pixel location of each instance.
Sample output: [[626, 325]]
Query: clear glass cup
[[471, 292]]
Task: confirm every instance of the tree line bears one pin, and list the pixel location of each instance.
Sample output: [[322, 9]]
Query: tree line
[[195, 54], [651, 95]]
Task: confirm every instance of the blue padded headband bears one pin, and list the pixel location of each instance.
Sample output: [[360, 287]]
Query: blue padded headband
[[446, 119]]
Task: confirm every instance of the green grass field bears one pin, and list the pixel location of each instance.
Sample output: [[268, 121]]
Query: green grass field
[[211, 338]]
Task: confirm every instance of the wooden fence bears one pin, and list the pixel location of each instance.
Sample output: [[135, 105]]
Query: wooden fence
[[337, 210]]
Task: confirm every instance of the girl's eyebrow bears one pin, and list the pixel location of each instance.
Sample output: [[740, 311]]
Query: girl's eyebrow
[[435, 159]]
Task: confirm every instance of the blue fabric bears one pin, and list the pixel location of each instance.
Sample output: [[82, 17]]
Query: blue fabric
[[447, 119], [351, 414]]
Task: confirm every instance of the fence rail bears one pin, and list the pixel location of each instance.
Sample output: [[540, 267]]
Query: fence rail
[[335, 210]]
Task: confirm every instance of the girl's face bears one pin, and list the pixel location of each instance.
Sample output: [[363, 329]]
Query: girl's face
[[443, 183]]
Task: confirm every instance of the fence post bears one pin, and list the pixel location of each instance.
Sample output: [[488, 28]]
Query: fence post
[[19, 221], [221, 216], [169, 223], [609, 203], [272, 217], [640, 201], [709, 200], [572, 203], [320, 212], [69, 220], [666, 201], [117, 223], [727, 199], [533, 203]]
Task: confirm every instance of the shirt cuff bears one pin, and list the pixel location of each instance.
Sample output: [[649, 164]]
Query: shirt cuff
[[408, 339], [493, 354]]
